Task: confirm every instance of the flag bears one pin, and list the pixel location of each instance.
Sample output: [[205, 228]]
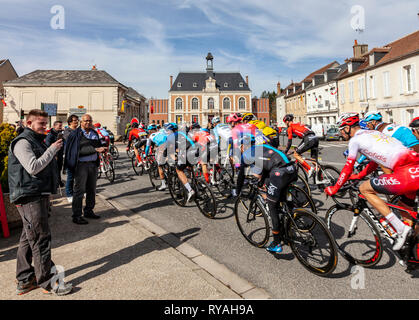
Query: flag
[[4, 102], [123, 106], [151, 109]]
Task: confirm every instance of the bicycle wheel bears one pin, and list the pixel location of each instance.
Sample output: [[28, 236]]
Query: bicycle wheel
[[253, 222], [154, 176], [303, 184], [114, 152], [139, 170], [314, 248], [204, 198], [224, 182], [109, 169], [356, 236], [300, 198], [177, 190]]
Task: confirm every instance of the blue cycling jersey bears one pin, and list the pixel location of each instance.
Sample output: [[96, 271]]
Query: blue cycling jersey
[[403, 134]]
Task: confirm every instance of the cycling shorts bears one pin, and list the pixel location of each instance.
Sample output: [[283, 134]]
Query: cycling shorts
[[140, 143], [403, 181], [310, 142], [279, 179]]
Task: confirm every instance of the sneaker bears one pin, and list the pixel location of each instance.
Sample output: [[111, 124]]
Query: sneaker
[[401, 238], [23, 288], [234, 193], [275, 248], [70, 199], [162, 187], [80, 220], [59, 289], [190, 195]]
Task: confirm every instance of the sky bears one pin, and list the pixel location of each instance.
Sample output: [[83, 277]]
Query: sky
[[141, 43]]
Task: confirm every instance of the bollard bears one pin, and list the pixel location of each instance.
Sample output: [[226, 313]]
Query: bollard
[[3, 217]]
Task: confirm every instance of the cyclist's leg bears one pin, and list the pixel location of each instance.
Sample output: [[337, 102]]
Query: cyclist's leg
[[302, 147]]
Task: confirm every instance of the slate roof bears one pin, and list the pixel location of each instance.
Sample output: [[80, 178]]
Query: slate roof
[[187, 80], [65, 78]]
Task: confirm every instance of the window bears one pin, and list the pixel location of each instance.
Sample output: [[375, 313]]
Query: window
[[195, 85], [342, 93], [211, 103], [390, 116], [179, 104], [361, 89], [371, 87], [226, 103], [225, 85], [179, 85], [242, 103], [241, 84], [386, 84], [195, 104], [409, 77], [351, 91]]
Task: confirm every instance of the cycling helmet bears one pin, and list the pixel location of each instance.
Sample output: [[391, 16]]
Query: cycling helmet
[[259, 124], [152, 127], [215, 120], [134, 120], [97, 125], [234, 117], [373, 115], [268, 131], [363, 124], [414, 123], [195, 125], [288, 117], [249, 116], [348, 119], [206, 130], [135, 125], [170, 126]]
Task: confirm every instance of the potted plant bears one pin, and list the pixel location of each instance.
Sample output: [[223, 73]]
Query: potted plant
[[7, 134]]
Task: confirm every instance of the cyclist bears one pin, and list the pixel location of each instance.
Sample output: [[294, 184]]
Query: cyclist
[[140, 137], [267, 131], [157, 140], [309, 142], [374, 121], [275, 170], [414, 124], [178, 144], [388, 152], [103, 134]]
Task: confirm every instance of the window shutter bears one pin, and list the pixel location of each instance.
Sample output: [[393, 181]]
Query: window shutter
[[413, 73], [401, 89]]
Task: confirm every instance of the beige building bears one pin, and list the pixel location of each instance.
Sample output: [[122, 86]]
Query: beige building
[[7, 72], [200, 96], [75, 91], [383, 79]]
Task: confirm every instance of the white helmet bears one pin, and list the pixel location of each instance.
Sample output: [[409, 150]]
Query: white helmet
[[215, 120]]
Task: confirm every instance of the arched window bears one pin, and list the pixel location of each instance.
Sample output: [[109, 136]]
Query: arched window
[[242, 103], [211, 103], [179, 104], [195, 104], [226, 103]]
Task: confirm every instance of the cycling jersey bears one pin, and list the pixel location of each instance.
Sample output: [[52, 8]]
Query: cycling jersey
[[298, 129], [247, 129], [401, 133], [258, 123], [222, 132], [137, 133]]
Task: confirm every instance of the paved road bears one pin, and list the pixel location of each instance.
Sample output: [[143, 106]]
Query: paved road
[[283, 276]]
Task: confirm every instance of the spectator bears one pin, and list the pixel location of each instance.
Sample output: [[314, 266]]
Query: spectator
[[73, 123], [55, 133], [81, 156], [33, 178]]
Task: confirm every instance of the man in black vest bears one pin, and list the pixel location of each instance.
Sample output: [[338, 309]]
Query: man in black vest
[[32, 173]]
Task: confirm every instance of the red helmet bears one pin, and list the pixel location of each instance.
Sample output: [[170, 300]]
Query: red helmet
[[234, 117], [97, 125], [348, 119], [134, 120]]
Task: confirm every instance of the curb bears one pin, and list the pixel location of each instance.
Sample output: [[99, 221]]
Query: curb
[[241, 287]]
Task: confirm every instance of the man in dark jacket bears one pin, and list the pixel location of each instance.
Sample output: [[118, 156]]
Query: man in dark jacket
[[73, 123], [32, 175], [55, 133], [81, 156]]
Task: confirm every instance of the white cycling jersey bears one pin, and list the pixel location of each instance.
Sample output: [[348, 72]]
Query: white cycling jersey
[[378, 147]]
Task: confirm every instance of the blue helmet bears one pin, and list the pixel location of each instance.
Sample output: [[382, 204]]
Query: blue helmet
[[152, 127], [373, 115], [363, 124], [170, 126]]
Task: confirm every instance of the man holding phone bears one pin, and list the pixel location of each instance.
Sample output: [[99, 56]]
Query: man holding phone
[[55, 134]]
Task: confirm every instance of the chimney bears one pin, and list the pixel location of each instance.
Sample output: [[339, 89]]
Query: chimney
[[171, 81], [278, 88], [359, 49], [247, 80]]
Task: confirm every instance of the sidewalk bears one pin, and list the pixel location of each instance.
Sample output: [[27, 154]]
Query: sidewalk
[[125, 257]]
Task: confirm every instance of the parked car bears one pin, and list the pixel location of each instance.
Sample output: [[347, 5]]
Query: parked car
[[320, 129], [333, 134]]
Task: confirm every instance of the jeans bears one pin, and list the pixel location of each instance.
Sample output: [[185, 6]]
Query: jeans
[[69, 183], [85, 178], [35, 243]]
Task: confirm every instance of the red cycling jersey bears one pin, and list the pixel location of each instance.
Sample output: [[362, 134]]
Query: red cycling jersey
[[137, 133], [298, 129]]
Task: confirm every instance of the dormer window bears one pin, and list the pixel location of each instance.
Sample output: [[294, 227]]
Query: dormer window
[[195, 85], [179, 85], [225, 85], [241, 84]]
